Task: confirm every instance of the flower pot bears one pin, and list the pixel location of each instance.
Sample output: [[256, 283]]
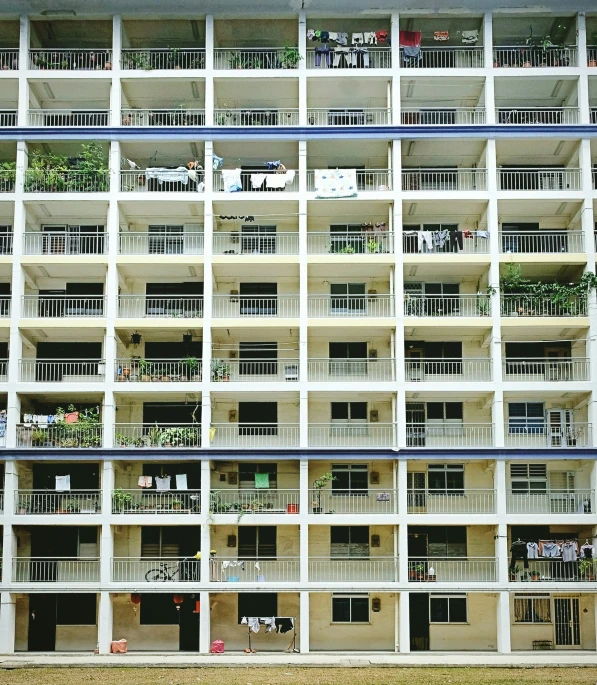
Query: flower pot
[[317, 510], [593, 62], [108, 66], [165, 379], [526, 65], [292, 508], [534, 577], [144, 379]]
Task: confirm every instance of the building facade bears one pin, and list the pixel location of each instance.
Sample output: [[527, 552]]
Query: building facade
[[298, 320]]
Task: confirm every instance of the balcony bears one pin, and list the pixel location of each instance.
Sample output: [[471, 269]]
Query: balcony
[[8, 117], [70, 59], [163, 244], [465, 501], [58, 437], [353, 569], [444, 58], [255, 244], [367, 501], [541, 435], [160, 179], [536, 116], [349, 58], [262, 570], [259, 436], [56, 181], [4, 306], [57, 118], [368, 180], [542, 242], [167, 307], [162, 117], [251, 501], [61, 371], [9, 59], [365, 242], [158, 370], [7, 181], [336, 370], [366, 116], [253, 58], [255, 182], [594, 115], [472, 369], [550, 179], [447, 305], [533, 305], [64, 244], [422, 242], [154, 502], [552, 571], [34, 502], [550, 502], [142, 435], [471, 569], [352, 435], [155, 570], [65, 570], [255, 306], [61, 306], [442, 116], [256, 117], [1, 506], [350, 306], [148, 59], [592, 56], [531, 56], [255, 370], [452, 179], [449, 434], [546, 369]]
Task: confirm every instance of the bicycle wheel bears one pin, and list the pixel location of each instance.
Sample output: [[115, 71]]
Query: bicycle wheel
[[155, 574]]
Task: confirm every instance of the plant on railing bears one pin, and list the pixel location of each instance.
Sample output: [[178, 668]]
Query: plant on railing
[[586, 569], [192, 364], [174, 58], [83, 433], [144, 370], [91, 167], [318, 485], [347, 249], [137, 60], [373, 246], [122, 501], [220, 370], [420, 571], [235, 60], [290, 58], [51, 173], [180, 436]]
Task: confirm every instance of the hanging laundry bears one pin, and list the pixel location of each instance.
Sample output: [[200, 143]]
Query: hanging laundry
[[71, 417], [411, 54], [310, 34], [269, 623], [331, 183], [62, 483], [425, 241], [145, 481], [382, 36], [162, 484], [410, 39], [324, 36], [370, 38], [273, 165], [333, 36], [252, 622], [326, 52], [181, 481], [470, 37], [317, 35], [342, 38], [483, 234], [549, 549], [284, 625], [532, 550], [2, 423], [569, 551], [357, 39], [441, 35], [257, 180], [262, 480], [587, 551], [231, 180], [217, 162]]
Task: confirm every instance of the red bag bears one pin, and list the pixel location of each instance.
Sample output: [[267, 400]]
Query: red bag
[[73, 417], [217, 647]]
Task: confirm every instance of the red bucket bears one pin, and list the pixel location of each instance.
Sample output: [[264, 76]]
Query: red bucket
[[292, 508]]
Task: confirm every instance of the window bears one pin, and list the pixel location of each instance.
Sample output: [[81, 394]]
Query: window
[[348, 358], [532, 608], [160, 541], [255, 542], [526, 417], [445, 479], [347, 298], [249, 475], [350, 479], [444, 418], [347, 412], [158, 610], [350, 608], [447, 609], [349, 541], [165, 240], [257, 418], [446, 541], [528, 478], [257, 358], [76, 609], [258, 239], [257, 604]]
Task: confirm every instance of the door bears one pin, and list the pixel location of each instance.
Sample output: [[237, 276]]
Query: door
[[165, 240], [419, 621], [567, 621], [54, 239], [415, 424], [258, 239], [557, 370], [188, 636], [84, 299], [560, 428], [515, 237], [348, 358], [69, 354], [417, 490], [414, 366], [257, 418], [41, 635], [258, 359], [258, 299], [174, 299]]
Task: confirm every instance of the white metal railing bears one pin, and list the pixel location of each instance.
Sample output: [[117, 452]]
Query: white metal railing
[[4, 306], [356, 242], [137, 243], [68, 117], [592, 55], [3, 370], [442, 570], [54, 181], [354, 434], [155, 569], [155, 502], [546, 369], [157, 435], [445, 242], [551, 502], [7, 181], [353, 569], [255, 370], [450, 501], [63, 437], [348, 116], [249, 436], [451, 370], [365, 501], [163, 58], [167, 306], [454, 434], [61, 243], [360, 370], [8, 117], [254, 501], [442, 116], [255, 570], [1, 505], [350, 306], [9, 59], [542, 242], [256, 116], [240, 306], [55, 570], [444, 179], [368, 180], [252, 58], [447, 305], [6, 243], [162, 117], [157, 370], [540, 434], [551, 571], [539, 179], [260, 182], [534, 116], [444, 58], [170, 180], [534, 305], [61, 306], [48, 502], [349, 58], [70, 59], [255, 244], [61, 370], [531, 56], [594, 115]]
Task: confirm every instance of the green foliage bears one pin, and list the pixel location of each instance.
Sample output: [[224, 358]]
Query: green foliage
[[219, 370], [49, 172], [122, 501], [86, 432], [320, 482], [290, 58]]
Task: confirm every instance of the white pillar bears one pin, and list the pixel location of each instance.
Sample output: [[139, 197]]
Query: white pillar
[[583, 79], [204, 622], [304, 626], [208, 222], [501, 530], [209, 74], [402, 528], [404, 622], [9, 542], [302, 68], [303, 298], [7, 622], [24, 41], [107, 485], [115, 89], [395, 89], [503, 623], [489, 73], [104, 623], [205, 530]]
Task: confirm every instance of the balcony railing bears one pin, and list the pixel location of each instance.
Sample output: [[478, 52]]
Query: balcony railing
[[262, 570], [257, 182], [359, 116], [353, 569], [542, 242], [254, 501], [250, 436], [471, 369], [162, 117], [359, 370], [464, 501], [169, 435], [168, 244], [592, 56], [365, 242], [255, 244], [55, 570], [447, 305], [539, 179], [178, 180], [7, 181], [55, 181], [61, 437], [441, 570], [61, 306], [6, 243], [166, 307], [61, 243], [349, 58], [157, 370], [70, 59], [9, 59], [449, 434], [546, 369], [350, 306], [533, 305], [352, 434], [368, 180], [147, 59], [530, 56], [61, 370], [56, 118], [255, 306], [444, 179], [551, 571], [251, 58], [594, 115], [31, 502], [4, 306], [442, 116], [540, 435], [155, 570], [254, 116], [255, 370], [154, 502], [551, 502], [445, 242], [444, 58], [8, 117], [3, 370], [365, 501], [533, 116], [1, 505]]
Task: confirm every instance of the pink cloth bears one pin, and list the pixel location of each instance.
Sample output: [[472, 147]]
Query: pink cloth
[[410, 39], [217, 647]]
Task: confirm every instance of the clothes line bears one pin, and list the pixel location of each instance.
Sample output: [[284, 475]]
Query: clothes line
[[277, 624]]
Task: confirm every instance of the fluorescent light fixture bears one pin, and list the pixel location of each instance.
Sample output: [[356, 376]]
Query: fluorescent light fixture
[[49, 91], [410, 89], [561, 209], [411, 147], [45, 210], [192, 271], [557, 88], [194, 150], [559, 148], [58, 13], [412, 209], [195, 89], [195, 28], [44, 272]]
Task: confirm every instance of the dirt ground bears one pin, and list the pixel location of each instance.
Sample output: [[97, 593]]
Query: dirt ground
[[300, 676]]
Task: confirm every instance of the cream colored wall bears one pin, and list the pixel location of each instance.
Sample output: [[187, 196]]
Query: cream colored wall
[[470, 348], [319, 541], [480, 541], [287, 285], [321, 412], [382, 467], [470, 222], [476, 474], [287, 541], [319, 286], [288, 412], [127, 543], [479, 633], [21, 623], [288, 475], [126, 624], [319, 347]]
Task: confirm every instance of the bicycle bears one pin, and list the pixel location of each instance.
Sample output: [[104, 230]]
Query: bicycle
[[163, 573]]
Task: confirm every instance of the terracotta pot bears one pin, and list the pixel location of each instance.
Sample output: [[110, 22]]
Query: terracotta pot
[[593, 62], [108, 66]]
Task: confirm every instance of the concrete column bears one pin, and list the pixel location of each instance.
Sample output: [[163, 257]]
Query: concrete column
[[107, 485], [209, 73], [205, 512], [583, 79], [395, 82], [302, 67], [107, 539], [9, 542], [104, 622], [204, 622], [7, 622], [304, 485], [205, 565], [404, 622], [304, 622], [488, 59], [503, 623], [24, 42], [303, 299], [115, 88], [111, 291]]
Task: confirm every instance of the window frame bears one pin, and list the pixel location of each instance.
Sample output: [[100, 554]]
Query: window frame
[[445, 469], [174, 618], [520, 425], [529, 480], [76, 603], [361, 469], [352, 547], [257, 597], [454, 596], [350, 597], [529, 599]]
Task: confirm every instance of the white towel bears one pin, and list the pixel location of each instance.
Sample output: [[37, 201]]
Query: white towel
[[330, 183], [275, 180], [62, 483], [470, 37], [257, 180], [181, 481], [231, 179], [162, 484]]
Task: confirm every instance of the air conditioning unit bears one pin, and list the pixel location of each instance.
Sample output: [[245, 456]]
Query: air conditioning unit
[[291, 372]]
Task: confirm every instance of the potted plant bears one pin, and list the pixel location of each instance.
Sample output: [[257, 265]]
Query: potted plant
[[122, 501], [192, 364], [220, 370], [23, 507], [514, 573], [534, 575], [347, 249], [318, 485], [420, 569], [144, 370], [290, 58], [175, 504], [586, 569], [373, 246], [593, 52], [235, 60], [155, 436], [412, 573]]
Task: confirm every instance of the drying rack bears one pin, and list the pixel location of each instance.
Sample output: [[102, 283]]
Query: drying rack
[[291, 644]]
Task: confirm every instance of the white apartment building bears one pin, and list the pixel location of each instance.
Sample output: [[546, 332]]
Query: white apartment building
[[306, 289]]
